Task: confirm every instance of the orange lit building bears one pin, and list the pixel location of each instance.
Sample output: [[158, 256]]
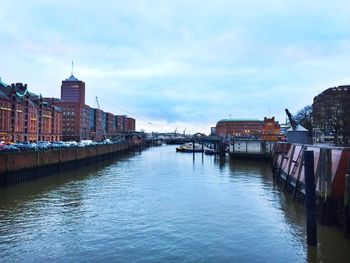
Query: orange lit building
[[272, 130]]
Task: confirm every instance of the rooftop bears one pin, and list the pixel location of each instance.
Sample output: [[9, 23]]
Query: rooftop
[[240, 120], [72, 78], [3, 84]]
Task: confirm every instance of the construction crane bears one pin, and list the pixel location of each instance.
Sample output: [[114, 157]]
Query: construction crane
[[98, 104], [103, 131]]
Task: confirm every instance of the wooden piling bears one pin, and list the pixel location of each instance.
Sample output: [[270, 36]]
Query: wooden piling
[[299, 168], [279, 167], [347, 204], [321, 174], [222, 149], [324, 172], [310, 199], [328, 188], [289, 167]]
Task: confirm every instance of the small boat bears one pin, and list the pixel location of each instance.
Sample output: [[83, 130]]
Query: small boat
[[188, 147]]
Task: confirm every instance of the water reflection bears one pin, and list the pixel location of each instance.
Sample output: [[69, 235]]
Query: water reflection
[[160, 206], [332, 247]]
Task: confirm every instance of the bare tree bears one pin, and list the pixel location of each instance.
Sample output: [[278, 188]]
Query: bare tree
[[304, 118], [334, 119]]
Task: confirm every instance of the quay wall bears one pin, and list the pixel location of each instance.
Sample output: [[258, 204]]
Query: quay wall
[[330, 168], [251, 149], [18, 167]]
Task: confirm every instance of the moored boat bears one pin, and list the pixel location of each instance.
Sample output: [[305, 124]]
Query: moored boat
[[188, 147]]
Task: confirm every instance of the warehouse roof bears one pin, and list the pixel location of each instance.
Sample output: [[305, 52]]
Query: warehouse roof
[[240, 120]]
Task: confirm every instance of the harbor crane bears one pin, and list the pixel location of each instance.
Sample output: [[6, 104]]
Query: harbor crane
[[292, 121], [102, 128]]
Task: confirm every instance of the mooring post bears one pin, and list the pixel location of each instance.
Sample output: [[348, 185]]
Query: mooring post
[[347, 203], [193, 148], [233, 147], [222, 149], [310, 199]]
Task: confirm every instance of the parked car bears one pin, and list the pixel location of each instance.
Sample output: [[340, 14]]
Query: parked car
[[10, 148], [43, 145], [58, 144], [85, 142], [71, 144], [26, 146]]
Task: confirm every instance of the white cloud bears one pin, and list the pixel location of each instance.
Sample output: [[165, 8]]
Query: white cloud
[[184, 63]]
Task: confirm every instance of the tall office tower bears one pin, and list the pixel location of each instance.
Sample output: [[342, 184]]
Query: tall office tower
[[73, 90]]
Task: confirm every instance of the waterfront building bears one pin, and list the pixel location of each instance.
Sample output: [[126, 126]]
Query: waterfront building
[[272, 130], [331, 115], [268, 129], [239, 128], [81, 122], [129, 124], [73, 90], [74, 122], [120, 122], [25, 116], [5, 114]]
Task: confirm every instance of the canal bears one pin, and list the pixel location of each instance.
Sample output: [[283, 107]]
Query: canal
[[160, 206]]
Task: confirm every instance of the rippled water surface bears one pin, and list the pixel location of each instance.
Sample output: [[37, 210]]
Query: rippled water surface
[[160, 206]]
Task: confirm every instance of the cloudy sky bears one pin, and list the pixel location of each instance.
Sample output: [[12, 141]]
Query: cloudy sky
[[180, 64]]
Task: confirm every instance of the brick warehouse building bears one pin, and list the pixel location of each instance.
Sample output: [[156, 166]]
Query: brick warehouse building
[[268, 129], [25, 116], [331, 108], [80, 121]]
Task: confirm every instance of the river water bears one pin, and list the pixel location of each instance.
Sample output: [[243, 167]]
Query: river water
[[160, 206]]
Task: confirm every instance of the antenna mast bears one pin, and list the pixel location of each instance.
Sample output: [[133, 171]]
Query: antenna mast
[[72, 68]]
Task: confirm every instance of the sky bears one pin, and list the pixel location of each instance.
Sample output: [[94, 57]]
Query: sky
[[177, 64]]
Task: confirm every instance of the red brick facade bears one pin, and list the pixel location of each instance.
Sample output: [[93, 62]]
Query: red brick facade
[[266, 130], [129, 124], [239, 128], [73, 90], [272, 130], [81, 122], [25, 116]]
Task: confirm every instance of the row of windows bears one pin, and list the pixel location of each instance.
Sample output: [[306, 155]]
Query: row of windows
[[4, 104]]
